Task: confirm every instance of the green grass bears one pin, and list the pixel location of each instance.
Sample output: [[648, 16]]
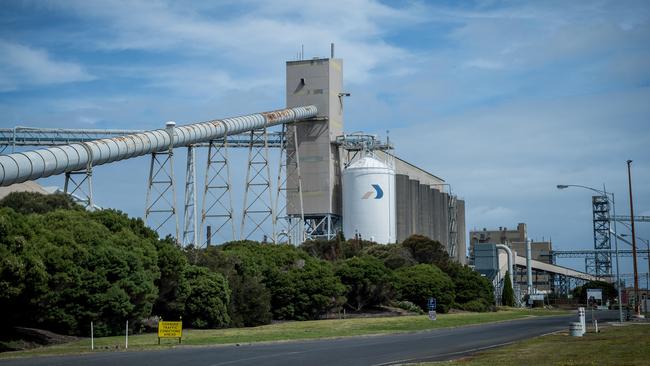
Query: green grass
[[626, 345], [289, 331]]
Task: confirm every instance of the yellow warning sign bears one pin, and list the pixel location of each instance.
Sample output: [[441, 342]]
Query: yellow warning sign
[[170, 329]]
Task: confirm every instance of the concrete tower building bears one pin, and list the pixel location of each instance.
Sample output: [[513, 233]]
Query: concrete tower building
[[317, 82]]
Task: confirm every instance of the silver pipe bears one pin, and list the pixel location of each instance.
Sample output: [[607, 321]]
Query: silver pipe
[[35, 164], [511, 262], [529, 269]]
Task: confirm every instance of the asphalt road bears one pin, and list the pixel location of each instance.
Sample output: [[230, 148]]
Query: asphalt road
[[434, 345]]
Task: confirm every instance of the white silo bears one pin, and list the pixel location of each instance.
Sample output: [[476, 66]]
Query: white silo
[[369, 200]]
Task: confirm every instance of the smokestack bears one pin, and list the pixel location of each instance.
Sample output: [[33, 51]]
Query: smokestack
[[331, 50]]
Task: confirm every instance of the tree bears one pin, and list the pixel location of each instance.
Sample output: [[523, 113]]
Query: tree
[[393, 255], [609, 290], [417, 283], [32, 202], [207, 304], [173, 284], [64, 269], [471, 288], [368, 282], [427, 251], [507, 294]]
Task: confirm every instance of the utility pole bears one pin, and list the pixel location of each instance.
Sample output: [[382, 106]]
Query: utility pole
[[637, 308]]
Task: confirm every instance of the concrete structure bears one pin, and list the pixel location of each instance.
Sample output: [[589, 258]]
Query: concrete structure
[[319, 81], [516, 240]]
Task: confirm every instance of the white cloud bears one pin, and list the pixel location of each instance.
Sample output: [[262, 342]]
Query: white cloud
[[22, 65]]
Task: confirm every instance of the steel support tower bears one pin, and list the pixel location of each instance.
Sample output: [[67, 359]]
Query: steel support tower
[[258, 198], [217, 211], [602, 243], [190, 223]]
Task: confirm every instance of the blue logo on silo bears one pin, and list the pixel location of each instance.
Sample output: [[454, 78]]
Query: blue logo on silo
[[378, 191]]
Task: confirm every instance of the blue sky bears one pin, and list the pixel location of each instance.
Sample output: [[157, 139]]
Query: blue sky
[[502, 99]]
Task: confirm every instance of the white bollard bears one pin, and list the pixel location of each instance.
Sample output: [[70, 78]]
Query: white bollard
[[92, 337], [126, 340], [583, 321], [575, 330]]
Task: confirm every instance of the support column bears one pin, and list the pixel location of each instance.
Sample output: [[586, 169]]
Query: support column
[[160, 206], [190, 225], [258, 199], [75, 187], [216, 209], [289, 227]]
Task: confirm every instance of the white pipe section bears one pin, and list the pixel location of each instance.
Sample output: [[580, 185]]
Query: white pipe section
[[529, 269], [511, 262], [35, 164]]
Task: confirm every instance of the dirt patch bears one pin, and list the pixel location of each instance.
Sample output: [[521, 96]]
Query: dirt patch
[[19, 338]]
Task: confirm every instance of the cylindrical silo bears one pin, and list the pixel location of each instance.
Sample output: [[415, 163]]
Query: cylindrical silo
[[369, 201]]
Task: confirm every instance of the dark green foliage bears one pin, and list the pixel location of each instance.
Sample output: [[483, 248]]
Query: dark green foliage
[[173, 285], [393, 255], [427, 251], [207, 303], [609, 290], [31, 202], [508, 294], [470, 287], [368, 281], [418, 283], [64, 268], [336, 249], [301, 287], [250, 300]]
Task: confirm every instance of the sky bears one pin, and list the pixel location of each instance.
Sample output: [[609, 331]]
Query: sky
[[502, 99]]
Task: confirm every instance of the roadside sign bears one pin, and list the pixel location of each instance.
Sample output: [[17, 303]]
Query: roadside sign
[[170, 330], [431, 304], [432, 315]]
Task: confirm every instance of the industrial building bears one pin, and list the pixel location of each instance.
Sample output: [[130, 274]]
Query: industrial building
[[516, 239], [333, 182]]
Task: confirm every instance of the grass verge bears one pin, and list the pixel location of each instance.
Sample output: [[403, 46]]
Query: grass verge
[[288, 331], [614, 345]]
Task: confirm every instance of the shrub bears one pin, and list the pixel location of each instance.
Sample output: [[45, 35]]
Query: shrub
[[408, 306], [476, 306], [206, 305], [469, 285], [420, 282], [427, 251], [393, 255], [367, 280]]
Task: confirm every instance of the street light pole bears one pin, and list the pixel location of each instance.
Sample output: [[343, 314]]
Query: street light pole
[[637, 309], [618, 278]]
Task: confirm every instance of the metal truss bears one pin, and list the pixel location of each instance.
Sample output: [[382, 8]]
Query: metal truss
[[216, 212], [602, 242], [322, 227], [258, 211], [626, 218], [190, 229], [590, 253], [160, 206], [289, 227], [75, 187], [35, 136]]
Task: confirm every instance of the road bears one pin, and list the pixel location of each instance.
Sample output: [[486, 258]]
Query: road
[[434, 345]]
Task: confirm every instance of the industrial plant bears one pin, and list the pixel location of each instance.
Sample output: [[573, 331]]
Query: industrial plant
[[329, 182]]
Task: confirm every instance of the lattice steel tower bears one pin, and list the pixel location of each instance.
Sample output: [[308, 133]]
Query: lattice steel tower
[[602, 242]]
